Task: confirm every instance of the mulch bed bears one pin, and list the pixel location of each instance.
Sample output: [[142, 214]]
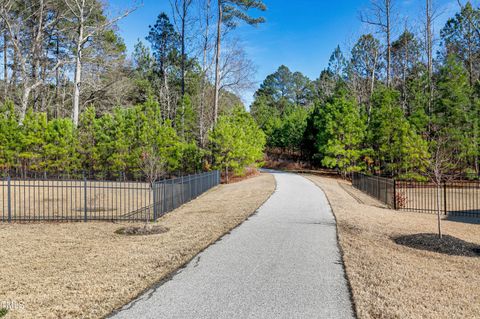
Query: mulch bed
[[446, 245]]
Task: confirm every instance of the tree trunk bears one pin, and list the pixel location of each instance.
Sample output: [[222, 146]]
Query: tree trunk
[[166, 95], [389, 46], [37, 52], [5, 64], [406, 105], [439, 220], [24, 102], [78, 74], [57, 77], [184, 14], [372, 88], [429, 45], [217, 61], [201, 117]]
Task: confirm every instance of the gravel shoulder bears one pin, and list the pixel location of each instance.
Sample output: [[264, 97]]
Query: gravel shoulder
[[85, 270], [394, 281]]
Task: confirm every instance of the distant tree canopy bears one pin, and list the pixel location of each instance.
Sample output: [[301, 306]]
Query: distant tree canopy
[[71, 100], [358, 117]]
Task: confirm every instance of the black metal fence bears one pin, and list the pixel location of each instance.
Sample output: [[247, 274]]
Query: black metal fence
[[171, 194], [381, 188], [460, 198], [42, 199]]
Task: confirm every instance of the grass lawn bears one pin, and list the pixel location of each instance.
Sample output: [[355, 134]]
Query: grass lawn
[[86, 270], [393, 281]]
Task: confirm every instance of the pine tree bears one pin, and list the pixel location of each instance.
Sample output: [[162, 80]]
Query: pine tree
[[454, 112], [33, 141], [60, 149], [10, 136], [340, 132], [398, 149], [237, 142]]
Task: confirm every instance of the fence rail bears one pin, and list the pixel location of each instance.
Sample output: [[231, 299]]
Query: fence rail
[[460, 198], [42, 199]]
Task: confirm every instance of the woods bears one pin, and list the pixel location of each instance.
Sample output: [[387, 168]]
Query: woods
[[74, 100], [389, 105], [384, 105]]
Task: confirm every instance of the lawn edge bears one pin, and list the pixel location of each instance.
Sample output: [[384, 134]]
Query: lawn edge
[[340, 248], [169, 276]]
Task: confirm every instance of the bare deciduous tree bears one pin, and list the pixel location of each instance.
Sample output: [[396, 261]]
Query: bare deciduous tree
[[153, 165], [236, 69], [182, 19], [28, 49], [380, 16], [443, 163], [84, 17], [230, 12]]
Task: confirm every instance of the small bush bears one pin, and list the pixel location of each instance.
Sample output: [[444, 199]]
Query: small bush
[[3, 312], [471, 174], [416, 177], [401, 200]]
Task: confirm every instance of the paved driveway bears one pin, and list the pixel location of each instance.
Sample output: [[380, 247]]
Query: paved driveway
[[281, 263]]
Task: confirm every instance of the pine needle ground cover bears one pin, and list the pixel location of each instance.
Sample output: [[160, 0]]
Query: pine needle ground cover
[[389, 280], [86, 270]]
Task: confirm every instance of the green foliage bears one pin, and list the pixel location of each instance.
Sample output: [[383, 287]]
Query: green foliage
[[33, 141], [192, 158], [288, 130], [237, 142], [266, 116], [418, 101], [165, 41], [3, 312], [339, 132], [453, 100], [365, 56], [455, 114], [186, 120], [398, 148], [285, 88], [10, 136], [237, 11], [59, 151], [131, 140], [460, 38]]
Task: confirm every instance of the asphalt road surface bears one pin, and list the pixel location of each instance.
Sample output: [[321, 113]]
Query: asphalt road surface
[[283, 262]]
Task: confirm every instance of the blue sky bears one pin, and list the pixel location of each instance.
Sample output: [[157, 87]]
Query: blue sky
[[300, 34]]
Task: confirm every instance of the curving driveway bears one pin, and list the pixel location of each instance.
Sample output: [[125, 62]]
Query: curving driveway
[[283, 262]]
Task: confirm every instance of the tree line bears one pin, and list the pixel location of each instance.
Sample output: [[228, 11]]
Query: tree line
[[397, 104], [73, 100]]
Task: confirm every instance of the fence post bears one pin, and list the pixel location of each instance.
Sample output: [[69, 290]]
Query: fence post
[[190, 193], [378, 188], [9, 191], [164, 197], [154, 195], [173, 193], [85, 211], [386, 190], [395, 194], [445, 198], [182, 191]]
